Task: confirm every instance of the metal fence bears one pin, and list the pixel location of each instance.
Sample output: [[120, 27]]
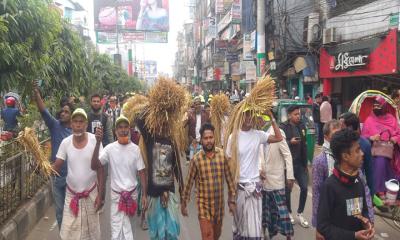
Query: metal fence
[[18, 179]]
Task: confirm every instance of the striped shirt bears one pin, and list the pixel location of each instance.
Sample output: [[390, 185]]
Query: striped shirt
[[209, 174]]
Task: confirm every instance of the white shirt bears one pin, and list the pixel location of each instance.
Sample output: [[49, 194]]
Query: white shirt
[[124, 162], [198, 126], [248, 149], [80, 175]]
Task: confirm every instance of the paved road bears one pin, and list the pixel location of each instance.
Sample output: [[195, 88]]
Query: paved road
[[47, 228]]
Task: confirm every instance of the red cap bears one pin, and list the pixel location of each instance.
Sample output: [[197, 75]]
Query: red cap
[[10, 102]]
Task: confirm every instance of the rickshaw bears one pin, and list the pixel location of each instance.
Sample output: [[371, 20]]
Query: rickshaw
[[363, 104], [280, 109], [362, 107]]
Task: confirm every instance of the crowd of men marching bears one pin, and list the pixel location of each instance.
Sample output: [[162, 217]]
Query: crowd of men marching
[[86, 146]]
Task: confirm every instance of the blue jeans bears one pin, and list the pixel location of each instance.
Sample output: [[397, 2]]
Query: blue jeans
[[59, 186], [301, 176]]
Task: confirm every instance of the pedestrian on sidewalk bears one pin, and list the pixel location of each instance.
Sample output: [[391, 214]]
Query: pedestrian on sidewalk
[[317, 119], [196, 119], [208, 169], [125, 161], [276, 169], [98, 118], [83, 196], [10, 114], [325, 110], [295, 132], [323, 166], [248, 218], [351, 121], [59, 130], [114, 111], [342, 209]]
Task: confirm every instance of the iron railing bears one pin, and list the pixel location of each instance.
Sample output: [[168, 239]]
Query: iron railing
[[18, 179]]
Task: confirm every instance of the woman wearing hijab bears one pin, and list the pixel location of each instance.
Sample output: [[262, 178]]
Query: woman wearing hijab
[[381, 126]]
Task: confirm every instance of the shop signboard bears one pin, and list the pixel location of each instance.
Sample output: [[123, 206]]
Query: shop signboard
[[218, 57], [236, 12], [235, 68], [226, 67], [221, 46], [219, 6], [218, 73], [377, 56], [251, 73], [232, 57], [349, 61], [247, 54], [210, 74], [253, 39], [131, 15]]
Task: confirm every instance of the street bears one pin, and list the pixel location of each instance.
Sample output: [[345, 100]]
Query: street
[[47, 228]]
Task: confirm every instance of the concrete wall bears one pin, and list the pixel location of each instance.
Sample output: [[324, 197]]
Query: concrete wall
[[364, 21], [28, 215]]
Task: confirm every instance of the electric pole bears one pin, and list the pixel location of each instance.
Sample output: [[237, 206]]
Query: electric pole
[[261, 56]]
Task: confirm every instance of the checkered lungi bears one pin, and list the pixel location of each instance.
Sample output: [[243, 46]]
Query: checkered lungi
[[275, 214], [85, 226]]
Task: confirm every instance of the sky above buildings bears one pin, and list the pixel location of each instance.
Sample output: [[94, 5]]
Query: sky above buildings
[[163, 53]]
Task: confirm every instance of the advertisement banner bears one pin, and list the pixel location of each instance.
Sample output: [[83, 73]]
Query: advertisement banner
[[253, 37], [107, 37], [150, 68], [251, 73], [219, 6], [247, 54], [235, 68], [126, 37], [236, 12], [221, 46], [134, 15]]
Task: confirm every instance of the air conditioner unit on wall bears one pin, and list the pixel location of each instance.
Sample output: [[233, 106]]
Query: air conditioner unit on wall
[[329, 36]]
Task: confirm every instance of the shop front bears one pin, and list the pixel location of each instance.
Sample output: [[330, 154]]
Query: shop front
[[350, 68]]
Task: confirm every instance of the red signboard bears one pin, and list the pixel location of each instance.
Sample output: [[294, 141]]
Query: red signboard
[[379, 61]]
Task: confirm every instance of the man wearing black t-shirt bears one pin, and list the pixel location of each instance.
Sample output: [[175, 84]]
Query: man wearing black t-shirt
[[342, 211], [162, 163]]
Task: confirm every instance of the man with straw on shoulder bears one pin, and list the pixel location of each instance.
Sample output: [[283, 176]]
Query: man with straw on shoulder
[[161, 144], [245, 143], [125, 161], [83, 195]]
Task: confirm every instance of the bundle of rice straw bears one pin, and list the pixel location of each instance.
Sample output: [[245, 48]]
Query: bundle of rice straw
[[166, 101], [164, 116], [134, 106], [260, 99], [220, 106], [184, 131], [30, 142]]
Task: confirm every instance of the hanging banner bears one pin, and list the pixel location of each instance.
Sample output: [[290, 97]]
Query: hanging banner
[[140, 15]]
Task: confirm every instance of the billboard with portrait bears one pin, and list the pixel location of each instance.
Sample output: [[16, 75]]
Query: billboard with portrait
[[131, 15]]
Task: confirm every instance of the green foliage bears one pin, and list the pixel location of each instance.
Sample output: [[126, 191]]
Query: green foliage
[[35, 43]]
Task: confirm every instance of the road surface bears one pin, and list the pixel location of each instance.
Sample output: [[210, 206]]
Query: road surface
[[47, 228]]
